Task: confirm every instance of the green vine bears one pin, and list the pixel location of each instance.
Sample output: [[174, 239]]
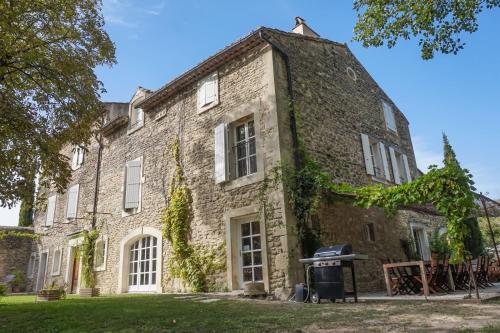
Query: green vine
[[190, 263], [87, 256], [6, 233]]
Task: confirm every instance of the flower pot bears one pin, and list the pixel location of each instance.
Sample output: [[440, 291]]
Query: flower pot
[[89, 292], [45, 295], [16, 289]]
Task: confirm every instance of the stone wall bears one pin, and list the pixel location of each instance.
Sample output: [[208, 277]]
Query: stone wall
[[15, 254]]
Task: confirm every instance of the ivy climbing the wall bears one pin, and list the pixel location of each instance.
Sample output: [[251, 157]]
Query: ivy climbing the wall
[[19, 234], [190, 263], [87, 252]]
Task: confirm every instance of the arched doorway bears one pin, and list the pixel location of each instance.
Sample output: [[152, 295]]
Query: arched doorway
[[142, 273], [141, 261]]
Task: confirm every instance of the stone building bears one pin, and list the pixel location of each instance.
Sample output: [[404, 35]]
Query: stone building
[[17, 254], [231, 115]]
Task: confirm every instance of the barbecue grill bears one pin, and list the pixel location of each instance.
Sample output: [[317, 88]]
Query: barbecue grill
[[328, 263]]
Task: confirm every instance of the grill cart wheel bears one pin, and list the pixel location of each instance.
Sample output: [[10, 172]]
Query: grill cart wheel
[[315, 298]]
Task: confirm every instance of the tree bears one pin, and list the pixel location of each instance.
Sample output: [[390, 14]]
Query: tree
[[27, 203], [49, 94], [438, 24]]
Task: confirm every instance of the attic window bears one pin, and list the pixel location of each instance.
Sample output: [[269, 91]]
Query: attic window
[[208, 92], [352, 74]]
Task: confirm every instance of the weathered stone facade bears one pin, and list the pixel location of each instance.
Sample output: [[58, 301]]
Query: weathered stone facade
[[15, 253], [252, 87]]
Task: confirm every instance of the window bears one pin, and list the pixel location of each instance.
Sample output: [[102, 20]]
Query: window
[[375, 157], [421, 242], [142, 264], [56, 261], [208, 92], [390, 121], [31, 265], [136, 118], [51, 208], [370, 232], [400, 166], [77, 159], [132, 195], [251, 252], [245, 150], [101, 252], [72, 205]]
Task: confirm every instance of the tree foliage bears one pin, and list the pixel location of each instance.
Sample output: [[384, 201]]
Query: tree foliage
[[437, 24], [49, 94], [27, 205]]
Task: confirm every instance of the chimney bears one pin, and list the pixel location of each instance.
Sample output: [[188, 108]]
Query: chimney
[[302, 28]]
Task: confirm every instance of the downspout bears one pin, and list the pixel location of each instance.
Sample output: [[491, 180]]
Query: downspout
[[293, 122], [97, 179]]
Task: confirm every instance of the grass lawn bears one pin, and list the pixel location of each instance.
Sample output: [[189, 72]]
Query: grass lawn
[[164, 313]]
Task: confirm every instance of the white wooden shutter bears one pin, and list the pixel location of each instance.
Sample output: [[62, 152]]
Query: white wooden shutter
[[51, 206], [201, 95], [367, 154], [132, 184], [74, 159], [407, 167], [395, 168], [385, 164], [221, 173], [72, 204], [390, 120]]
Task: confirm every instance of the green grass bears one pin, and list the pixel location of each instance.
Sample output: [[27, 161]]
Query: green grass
[[164, 313]]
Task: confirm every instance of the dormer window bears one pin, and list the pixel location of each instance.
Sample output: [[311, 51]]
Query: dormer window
[[136, 118], [390, 120], [208, 92], [77, 159]]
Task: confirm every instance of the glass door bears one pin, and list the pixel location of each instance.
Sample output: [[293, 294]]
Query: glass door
[[142, 265], [250, 252]]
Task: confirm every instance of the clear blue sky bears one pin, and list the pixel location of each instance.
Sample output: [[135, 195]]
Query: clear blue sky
[[458, 94]]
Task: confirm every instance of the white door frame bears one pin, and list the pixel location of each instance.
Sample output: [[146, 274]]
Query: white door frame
[[42, 284], [240, 222], [421, 230], [73, 244], [146, 287]]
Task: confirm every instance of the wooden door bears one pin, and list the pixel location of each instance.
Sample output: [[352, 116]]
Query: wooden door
[[75, 274]]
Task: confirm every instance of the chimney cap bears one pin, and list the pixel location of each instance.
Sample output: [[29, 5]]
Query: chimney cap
[[299, 20]]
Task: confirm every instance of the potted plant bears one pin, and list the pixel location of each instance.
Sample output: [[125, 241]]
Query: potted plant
[[53, 292], [17, 282], [88, 289], [438, 246]]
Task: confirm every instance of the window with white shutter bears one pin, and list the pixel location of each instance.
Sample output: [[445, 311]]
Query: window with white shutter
[[385, 164], [72, 205], [221, 167], [51, 208], [77, 158], [208, 92], [390, 120], [132, 184], [395, 165], [136, 118], [367, 154], [406, 168]]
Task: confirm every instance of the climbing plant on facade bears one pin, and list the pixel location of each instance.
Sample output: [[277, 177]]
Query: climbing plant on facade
[[190, 263], [87, 252]]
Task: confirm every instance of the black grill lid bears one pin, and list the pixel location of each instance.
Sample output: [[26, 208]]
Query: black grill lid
[[334, 250]]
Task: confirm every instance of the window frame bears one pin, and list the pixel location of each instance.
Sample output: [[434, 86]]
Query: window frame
[[386, 107], [247, 140], [370, 232], [132, 211], [102, 267], [31, 266], [58, 272]]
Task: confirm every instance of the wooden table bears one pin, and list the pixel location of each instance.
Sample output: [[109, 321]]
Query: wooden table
[[420, 264]]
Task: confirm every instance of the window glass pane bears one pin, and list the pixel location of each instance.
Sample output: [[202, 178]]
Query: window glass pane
[[256, 243], [245, 229], [240, 133], [255, 228], [241, 150], [245, 244], [153, 278], [242, 168], [251, 146], [247, 259], [258, 273], [251, 130], [247, 274], [257, 258]]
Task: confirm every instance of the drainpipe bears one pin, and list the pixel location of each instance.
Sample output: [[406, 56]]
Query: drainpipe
[[97, 179], [293, 123]]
